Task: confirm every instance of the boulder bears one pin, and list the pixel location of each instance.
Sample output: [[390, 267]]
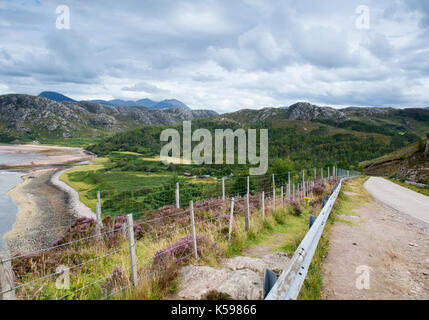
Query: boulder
[[196, 281], [276, 261]]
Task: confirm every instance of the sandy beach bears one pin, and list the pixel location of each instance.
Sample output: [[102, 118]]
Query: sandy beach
[[47, 206], [46, 156]]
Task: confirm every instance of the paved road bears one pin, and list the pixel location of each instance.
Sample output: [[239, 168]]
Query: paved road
[[399, 198]]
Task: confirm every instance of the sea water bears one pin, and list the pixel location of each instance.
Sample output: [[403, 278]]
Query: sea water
[[8, 209]]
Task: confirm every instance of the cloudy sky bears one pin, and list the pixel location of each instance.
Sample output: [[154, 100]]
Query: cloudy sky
[[220, 54]]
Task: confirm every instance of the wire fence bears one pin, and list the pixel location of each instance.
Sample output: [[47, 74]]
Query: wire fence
[[99, 254]]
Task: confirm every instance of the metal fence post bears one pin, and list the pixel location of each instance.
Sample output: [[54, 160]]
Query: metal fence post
[[132, 247], [6, 278], [194, 234], [177, 196], [263, 205], [231, 219], [247, 213]]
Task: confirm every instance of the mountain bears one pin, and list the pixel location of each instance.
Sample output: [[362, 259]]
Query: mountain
[[172, 103], [28, 118], [146, 103], [55, 96], [127, 103], [165, 104]]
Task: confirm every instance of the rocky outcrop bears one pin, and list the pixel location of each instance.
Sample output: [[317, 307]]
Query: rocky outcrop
[[197, 281], [240, 279], [307, 111], [275, 262]]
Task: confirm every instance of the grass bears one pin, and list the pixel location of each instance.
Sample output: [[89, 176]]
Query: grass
[[90, 280], [95, 278]]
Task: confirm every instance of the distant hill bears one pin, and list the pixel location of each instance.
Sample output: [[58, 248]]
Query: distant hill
[[55, 96], [127, 103], [172, 103], [27, 118], [165, 104], [386, 121]]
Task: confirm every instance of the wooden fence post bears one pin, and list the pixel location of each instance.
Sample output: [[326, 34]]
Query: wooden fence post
[[6, 278], [231, 219], [247, 212], [263, 205], [99, 224], [248, 184], [303, 183], [282, 197], [274, 198], [223, 188], [132, 247], [288, 186], [177, 196], [194, 234]]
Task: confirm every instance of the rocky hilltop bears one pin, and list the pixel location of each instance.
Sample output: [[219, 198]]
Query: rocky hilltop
[[41, 117], [308, 111], [367, 119]]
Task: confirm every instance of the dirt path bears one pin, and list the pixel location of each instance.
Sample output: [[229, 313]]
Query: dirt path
[[390, 247]]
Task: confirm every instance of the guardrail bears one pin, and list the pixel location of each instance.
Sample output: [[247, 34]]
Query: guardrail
[[290, 281]]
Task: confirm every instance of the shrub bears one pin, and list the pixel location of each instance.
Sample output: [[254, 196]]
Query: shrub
[[180, 252], [296, 208], [319, 189], [118, 279]]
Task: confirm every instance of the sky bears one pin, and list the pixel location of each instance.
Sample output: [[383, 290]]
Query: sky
[[222, 55]]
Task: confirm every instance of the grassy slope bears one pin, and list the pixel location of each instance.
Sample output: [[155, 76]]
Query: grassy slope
[[402, 163], [162, 286], [399, 154], [308, 126]]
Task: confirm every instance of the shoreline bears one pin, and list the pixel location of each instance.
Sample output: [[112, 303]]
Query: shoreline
[[46, 156], [46, 205]]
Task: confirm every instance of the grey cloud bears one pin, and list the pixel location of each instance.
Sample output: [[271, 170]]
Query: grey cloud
[[214, 51]]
